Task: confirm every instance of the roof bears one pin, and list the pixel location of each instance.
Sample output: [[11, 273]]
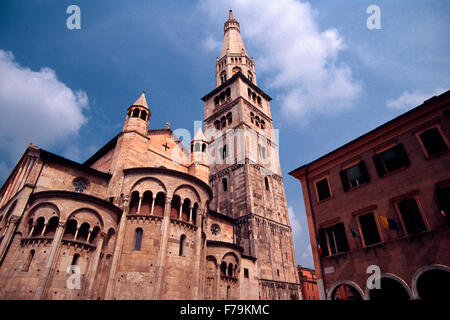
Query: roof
[[229, 81], [425, 104], [141, 101]]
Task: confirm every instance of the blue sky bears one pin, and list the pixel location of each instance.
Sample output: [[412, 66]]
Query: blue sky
[[331, 78]]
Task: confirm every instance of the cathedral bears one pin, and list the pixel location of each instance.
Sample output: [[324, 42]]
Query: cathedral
[[147, 218]]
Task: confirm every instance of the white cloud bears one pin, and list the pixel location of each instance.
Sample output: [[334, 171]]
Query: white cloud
[[295, 222], [293, 54], [35, 106], [410, 100], [211, 44]]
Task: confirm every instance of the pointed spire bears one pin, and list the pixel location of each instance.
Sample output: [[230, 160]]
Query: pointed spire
[[232, 42], [141, 101], [199, 136], [230, 15]]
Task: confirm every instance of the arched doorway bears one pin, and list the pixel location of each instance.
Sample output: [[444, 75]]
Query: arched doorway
[[345, 291], [391, 289], [434, 284]]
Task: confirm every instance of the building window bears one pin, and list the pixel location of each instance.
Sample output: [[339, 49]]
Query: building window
[[246, 273], [333, 240], [225, 184], [266, 182], [182, 240], [433, 141], [369, 229], [323, 189], [80, 184], [262, 151], [217, 124], [390, 160], [197, 147], [215, 229], [354, 176], [138, 241], [411, 216], [224, 152], [443, 199]]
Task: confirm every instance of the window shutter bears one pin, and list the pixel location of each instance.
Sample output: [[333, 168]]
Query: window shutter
[[341, 240], [364, 172], [323, 242], [403, 156], [344, 179], [379, 165]]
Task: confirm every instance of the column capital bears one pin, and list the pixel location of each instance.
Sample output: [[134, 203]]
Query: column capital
[[13, 219], [61, 224]]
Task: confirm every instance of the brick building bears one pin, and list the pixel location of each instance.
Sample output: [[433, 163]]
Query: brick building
[[144, 218], [383, 199], [308, 283]]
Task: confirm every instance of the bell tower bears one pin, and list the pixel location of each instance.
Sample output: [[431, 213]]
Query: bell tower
[[242, 148], [138, 116]]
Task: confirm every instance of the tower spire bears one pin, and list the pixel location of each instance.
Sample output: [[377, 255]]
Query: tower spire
[[233, 57]]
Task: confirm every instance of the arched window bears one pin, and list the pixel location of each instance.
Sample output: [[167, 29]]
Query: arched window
[[197, 146], [175, 207], [222, 96], [182, 240], [83, 232], [134, 202], [144, 115], [229, 118], [249, 92], [230, 269], [254, 96], [204, 147], [263, 124], [185, 211], [216, 100], [223, 268], [223, 122], [252, 117], [39, 227], [194, 213], [138, 241], [146, 205], [257, 121], [217, 124], [224, 152], [129, 113], [136, 113], [266, 182], [27, 264], [71, 229], [51, 227], [225, 184], [94, 234], [223, 77], [75, 259], [160, 202], [228, 93]]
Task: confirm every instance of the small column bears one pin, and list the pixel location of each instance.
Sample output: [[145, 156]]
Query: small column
[[32, 229], [179, 212], [89, 235], [139, 205], [153, 205], [94, 266], [190, 214], [43, 282], [197, 274], [117, 249], [12, 223], [43, 229], [161, 260], [76, 234]]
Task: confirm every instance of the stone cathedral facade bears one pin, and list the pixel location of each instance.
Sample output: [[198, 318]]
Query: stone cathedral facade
[[145, 218]]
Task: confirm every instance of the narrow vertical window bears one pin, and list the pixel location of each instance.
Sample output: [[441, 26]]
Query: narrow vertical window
[[138, 241], [323, 190], [182, 240], [411, 216], [225, 184], [266, 182]]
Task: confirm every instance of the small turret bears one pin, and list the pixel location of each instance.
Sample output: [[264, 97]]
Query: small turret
[[138, 116], [199, 159]]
